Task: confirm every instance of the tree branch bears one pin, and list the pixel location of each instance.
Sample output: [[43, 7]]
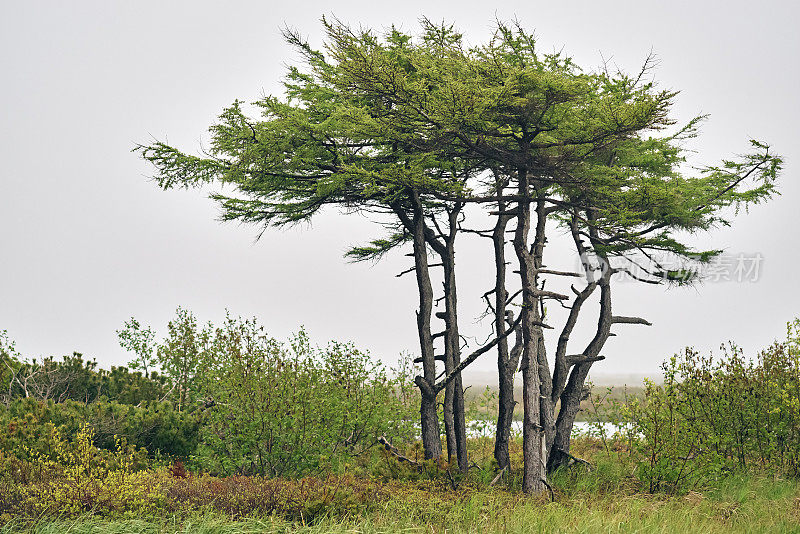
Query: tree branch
[[472, 357], [619, 319]]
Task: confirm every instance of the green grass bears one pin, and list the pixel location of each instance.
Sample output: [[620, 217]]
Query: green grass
[[738, 504]]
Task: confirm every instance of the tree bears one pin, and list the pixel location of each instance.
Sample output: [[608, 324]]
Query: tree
[[574, 147], [421, 129], [319, 148], [174, 360], [141, 341]]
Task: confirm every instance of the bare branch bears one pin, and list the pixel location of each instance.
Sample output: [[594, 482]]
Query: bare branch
[[575, 359], [412, 269], [617, 319], [498, 476], [396, 453], [439, 358], [559, 273], [472, 357], [549, 294]]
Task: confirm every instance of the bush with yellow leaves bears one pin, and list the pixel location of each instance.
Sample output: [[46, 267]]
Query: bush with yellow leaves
[[77, 477]]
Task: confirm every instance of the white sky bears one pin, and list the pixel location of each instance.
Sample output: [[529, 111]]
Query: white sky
[[87, 241]]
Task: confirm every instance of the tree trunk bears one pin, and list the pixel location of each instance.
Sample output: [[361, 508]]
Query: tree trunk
[[533, 480], [453, 341], [547, 406], [571, 400], [448, 413], [453, 355], [507, 362], [575, 390], [431, 441], [505, 415], [454, 406], [566, 386]]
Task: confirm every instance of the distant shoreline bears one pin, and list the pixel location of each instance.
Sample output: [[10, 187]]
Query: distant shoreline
[[600, 380]]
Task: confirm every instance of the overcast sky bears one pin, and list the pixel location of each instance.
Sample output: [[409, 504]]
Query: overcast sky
[[87, 241]]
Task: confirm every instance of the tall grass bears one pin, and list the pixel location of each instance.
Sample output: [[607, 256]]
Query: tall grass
[[742, 504]]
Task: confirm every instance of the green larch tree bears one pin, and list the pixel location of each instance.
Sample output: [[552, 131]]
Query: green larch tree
[[414, 130]]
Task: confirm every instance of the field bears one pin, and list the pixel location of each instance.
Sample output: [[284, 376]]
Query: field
[[742, 509], [483, 400], [387, 497]]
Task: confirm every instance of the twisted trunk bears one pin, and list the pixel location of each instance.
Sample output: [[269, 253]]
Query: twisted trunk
[[507, 361], [533, 442], [429, 419], [574, 391]]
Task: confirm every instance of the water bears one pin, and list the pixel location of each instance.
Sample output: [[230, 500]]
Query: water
[[487, 428]]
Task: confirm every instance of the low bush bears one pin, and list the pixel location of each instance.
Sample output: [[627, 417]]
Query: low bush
[[293, 410], [73, 477], [711, 417], [72, 378], [29, 425], [227, 399], [76, 478]]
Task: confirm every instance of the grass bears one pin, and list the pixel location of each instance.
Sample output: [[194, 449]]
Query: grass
[[483, 400], [608, 498], [743, 504], [605, 500]]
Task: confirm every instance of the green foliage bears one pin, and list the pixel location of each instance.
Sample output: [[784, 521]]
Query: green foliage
[[141, 341], [174, 360], [29, 426], [712, 417], [74, 477], [374, 117], [48, 397], [179, 356], [73, 378], [229, 399], [279, 410]]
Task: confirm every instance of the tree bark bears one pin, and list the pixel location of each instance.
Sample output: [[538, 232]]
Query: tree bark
[[507, 361], [507, 366], [429, 419], [453, 352], [448, 411], [533, 480], [575, 390], [547, 406]]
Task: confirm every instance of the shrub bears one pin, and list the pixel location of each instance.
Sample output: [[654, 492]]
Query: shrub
[[290, 411], [714, 416], [71, 378], [175, 360], [75, 477], [29, 425]]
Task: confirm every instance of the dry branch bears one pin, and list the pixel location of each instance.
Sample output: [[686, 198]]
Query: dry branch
[[396, 453]]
